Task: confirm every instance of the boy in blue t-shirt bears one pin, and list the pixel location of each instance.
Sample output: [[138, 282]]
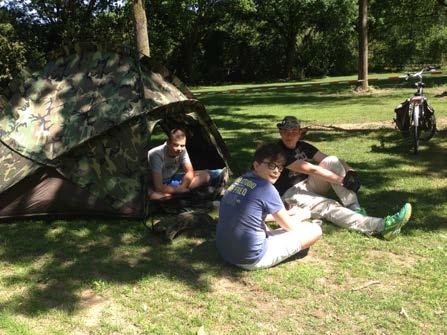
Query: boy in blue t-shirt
[[242, 238]]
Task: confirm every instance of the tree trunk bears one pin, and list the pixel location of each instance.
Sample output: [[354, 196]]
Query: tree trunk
[[141, 36], [363, 44], [290, 55], [191, 47]]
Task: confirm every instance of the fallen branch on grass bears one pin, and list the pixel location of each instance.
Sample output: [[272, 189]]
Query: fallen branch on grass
[[371, 282], [403, 312]]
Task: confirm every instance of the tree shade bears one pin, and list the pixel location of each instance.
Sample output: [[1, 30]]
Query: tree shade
[[211, 41]]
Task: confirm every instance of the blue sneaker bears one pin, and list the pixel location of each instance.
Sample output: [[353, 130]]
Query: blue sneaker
[[394, 223]]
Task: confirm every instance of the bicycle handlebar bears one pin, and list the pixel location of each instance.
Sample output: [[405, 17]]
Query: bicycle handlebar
[[420, 73]]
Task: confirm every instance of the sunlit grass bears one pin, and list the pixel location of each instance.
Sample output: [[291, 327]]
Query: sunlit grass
[[102, 277], [375, 78]]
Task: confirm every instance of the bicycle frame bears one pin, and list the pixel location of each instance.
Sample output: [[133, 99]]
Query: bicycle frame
[[416, 109], [422, 123]]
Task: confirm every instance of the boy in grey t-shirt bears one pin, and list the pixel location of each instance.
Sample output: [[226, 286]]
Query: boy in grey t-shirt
[[171, 170]]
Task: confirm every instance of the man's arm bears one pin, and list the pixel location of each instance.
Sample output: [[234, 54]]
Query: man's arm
[[157, 180], [284, 220], [315, 170], [296, 213], [307, 234], [189, 175]]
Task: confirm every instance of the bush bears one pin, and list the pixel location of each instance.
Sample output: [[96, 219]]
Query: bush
[[12, 54]]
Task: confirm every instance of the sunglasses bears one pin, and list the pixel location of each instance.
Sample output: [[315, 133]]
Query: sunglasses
[[272, 166]]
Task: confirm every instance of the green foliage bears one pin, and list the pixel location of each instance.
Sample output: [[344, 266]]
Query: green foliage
[[436, 45], [334, 40], [12, 54], [50, 28], [102, 277], [407, 32], [216, 41]]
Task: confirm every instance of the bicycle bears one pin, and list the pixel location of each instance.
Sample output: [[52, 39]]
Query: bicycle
[[415, 118]]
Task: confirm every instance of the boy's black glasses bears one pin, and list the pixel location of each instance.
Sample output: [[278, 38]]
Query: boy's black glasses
[[272, 166]]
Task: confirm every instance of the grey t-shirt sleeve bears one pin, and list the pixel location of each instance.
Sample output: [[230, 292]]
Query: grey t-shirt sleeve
[[155, 163], [184, 158], [155, 159], [159, 161]]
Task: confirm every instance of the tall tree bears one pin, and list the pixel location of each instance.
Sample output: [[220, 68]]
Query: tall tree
[[12, 54], [51, 25], [186, 24], [140, 22], [396, 42], [290, 19], [363, 44]]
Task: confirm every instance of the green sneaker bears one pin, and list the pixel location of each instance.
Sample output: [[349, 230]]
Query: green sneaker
[[393, 223], [361, 210]]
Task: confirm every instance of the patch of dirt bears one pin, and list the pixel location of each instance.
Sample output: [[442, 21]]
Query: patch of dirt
[[401, 261], [94, 305], [372, 90], [441, 123], [263, 301], [88, 298], [227, 284], [440, 93]]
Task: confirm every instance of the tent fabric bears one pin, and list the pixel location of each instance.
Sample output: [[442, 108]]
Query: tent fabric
[[75, 99], [13, 167], [87, 121], [47, 193]]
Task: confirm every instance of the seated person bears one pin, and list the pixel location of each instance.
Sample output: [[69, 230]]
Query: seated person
[[242, 237], [165, 162], [306, 185]]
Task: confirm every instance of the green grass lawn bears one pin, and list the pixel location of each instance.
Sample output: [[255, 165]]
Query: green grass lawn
[[102, 277], [382, 77]]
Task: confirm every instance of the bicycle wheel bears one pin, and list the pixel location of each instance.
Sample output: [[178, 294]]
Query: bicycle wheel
[[414, 127], [428, 127], [414, 138]]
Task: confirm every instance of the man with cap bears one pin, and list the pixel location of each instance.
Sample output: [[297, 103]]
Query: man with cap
[[305, 185]]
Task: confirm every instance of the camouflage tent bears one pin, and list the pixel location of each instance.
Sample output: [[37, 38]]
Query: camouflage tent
[[74, 140]]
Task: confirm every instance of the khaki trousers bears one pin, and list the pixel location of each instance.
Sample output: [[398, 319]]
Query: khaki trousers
[[309, 194]]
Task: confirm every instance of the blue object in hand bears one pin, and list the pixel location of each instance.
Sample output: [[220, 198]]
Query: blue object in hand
[[175, 183]]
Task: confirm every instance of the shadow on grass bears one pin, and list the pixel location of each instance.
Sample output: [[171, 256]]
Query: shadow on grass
[[395, 158], [328, 88], [391, 160], [79, 255], [330, 95]]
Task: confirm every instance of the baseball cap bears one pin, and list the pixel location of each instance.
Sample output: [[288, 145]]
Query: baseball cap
[[289, 122]]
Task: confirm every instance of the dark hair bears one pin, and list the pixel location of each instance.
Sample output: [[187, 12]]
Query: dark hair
[[271, 151]]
